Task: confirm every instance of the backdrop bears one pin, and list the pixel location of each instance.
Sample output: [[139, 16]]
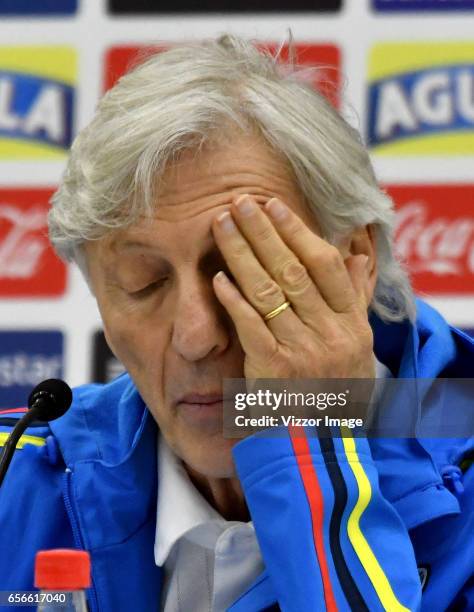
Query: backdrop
[[404, 75]]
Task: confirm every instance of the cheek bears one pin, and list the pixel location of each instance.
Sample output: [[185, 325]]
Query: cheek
[[123, 344], [139, 344]]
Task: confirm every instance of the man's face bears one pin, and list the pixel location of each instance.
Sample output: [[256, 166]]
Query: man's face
[[153, 283]]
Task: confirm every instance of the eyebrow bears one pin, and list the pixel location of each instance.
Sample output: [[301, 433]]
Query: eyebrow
[[133, 244], [211, 253]]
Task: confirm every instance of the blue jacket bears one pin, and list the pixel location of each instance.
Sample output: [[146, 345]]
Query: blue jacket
[[343, 524]]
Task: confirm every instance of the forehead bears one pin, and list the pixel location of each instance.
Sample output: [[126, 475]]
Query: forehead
[[235, 163], [202, 183]]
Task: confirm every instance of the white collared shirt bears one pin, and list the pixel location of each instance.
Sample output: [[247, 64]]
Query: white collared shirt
[[208, 561]]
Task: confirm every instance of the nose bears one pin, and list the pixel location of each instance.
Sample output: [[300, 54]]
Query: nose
[[201, 327]]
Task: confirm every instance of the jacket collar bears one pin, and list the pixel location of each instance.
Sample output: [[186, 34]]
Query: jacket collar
[[105, 423], [430, 348], [410, 469], [108, 442]]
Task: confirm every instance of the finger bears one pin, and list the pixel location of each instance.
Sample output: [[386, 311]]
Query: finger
[[256, 339], [257, 286], [280, 261], [356, 266], [323, 261]]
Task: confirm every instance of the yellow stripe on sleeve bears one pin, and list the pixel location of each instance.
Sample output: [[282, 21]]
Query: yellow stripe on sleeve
[[25, 439], [362, 548]]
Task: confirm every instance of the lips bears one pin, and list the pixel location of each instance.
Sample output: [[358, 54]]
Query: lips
[[202, 412], [200, 399]]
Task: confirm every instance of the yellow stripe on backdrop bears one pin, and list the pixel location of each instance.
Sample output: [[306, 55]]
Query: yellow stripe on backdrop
[[55, 62], [388, 59]]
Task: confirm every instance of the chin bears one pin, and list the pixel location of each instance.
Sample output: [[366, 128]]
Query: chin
[[196, 438], [210, 456]]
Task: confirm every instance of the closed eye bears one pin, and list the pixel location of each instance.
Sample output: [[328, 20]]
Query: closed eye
[[148, 290]]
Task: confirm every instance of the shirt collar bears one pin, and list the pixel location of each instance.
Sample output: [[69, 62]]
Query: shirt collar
[[180, 506], [381, 370]]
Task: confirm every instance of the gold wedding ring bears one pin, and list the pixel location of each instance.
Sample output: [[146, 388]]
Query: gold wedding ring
[[276, 311]]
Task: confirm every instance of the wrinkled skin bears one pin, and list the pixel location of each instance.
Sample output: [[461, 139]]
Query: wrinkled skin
[[179, 327]]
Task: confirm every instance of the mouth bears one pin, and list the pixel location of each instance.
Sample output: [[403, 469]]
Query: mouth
[[200, 399], [202, 411]]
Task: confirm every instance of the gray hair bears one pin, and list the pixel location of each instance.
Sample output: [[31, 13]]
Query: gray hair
[[180, 99]]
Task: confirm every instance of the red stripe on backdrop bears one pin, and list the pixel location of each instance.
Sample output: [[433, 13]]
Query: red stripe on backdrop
[[316, 506]]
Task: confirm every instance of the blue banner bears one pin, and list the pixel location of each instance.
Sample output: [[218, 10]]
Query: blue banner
[[27, 358], [432, 101], [35, 108], [38, 7], [422, 5]]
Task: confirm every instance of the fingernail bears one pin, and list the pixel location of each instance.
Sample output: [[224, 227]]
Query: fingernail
[[221, 277], [245, 206], [276, 209], [226, 223]]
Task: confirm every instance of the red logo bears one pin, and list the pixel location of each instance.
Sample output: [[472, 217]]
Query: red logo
[[326, 79], [28, 264], [434, 235]]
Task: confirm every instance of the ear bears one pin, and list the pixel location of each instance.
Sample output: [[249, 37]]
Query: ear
[[361, 241]]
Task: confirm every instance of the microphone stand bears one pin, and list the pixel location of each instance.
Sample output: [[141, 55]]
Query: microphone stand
[[17, 432]]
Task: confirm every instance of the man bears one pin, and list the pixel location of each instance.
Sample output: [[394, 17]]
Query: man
[[229, 224]]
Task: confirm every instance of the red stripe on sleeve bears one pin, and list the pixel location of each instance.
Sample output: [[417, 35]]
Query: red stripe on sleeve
[[316, 506], [10, 410]]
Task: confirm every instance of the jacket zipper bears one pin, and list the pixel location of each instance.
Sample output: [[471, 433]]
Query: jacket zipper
[[76, 533]]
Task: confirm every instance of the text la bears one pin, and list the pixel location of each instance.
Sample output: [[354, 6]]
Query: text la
[[45, 113]]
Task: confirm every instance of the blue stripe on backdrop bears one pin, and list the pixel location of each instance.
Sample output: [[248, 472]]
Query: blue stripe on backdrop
[[38, 7], [422, 5]]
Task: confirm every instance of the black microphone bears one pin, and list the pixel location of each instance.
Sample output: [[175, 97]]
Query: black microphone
[[48, 401]]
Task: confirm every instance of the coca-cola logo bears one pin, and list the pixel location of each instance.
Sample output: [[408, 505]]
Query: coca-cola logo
[[434, 235], [21, 248], [439, 245], [28, 265]]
